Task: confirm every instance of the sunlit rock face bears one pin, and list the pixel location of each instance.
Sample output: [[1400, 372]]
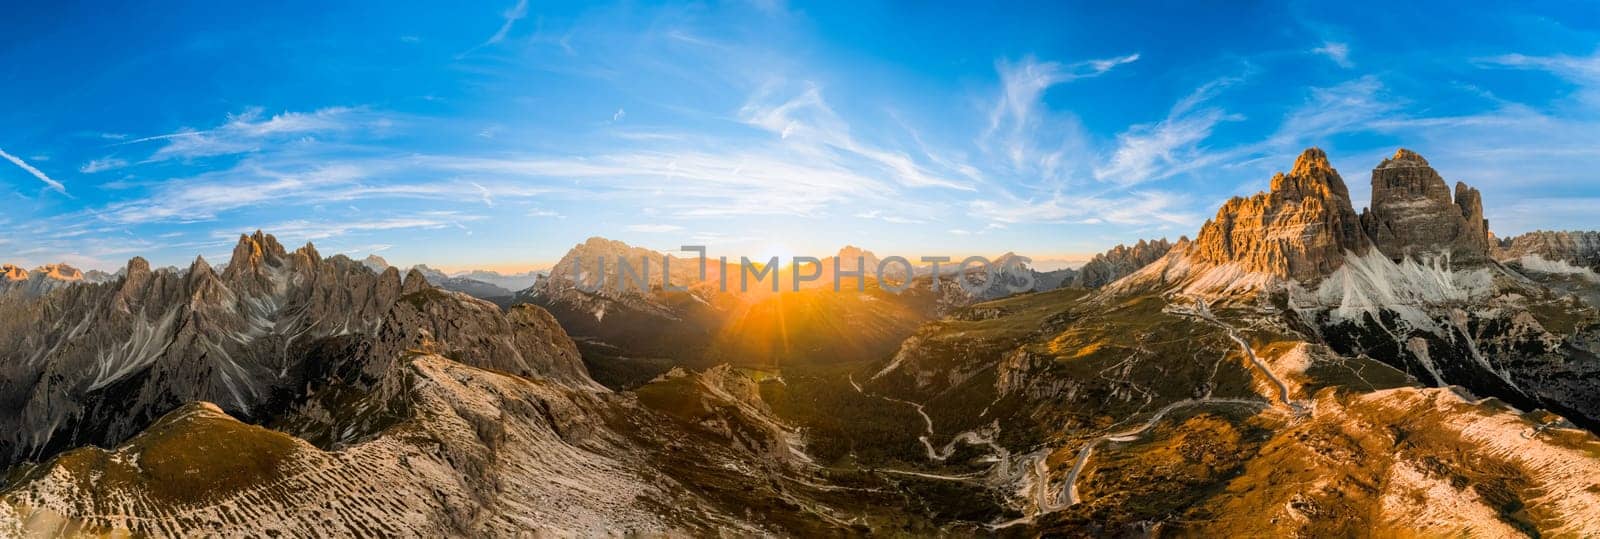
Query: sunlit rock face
[[1413, 214], [1300, 229], [44, 279]]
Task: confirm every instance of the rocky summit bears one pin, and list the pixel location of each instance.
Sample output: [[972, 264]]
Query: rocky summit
[[1305, 228], [1414, 215], [1300, 229]]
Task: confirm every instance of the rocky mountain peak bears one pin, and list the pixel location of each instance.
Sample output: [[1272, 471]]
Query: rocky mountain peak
[[1300, 229], [850, 254], [308, 251], [251, 253], [431, 274], [1312, 162], [253, 250], [1414, 214], [135, 276], [375, 263], [203, 284], [1311, 176], [61, 272], [137, 267], [415, 281], [13, 273], [1404, 158]]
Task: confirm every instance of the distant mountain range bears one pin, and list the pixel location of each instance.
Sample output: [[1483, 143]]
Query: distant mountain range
[[481, 284], [1298, 368]]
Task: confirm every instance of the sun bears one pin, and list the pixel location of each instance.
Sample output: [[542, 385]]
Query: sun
[[779, 250]]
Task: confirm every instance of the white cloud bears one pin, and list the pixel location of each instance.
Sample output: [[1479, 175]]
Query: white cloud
[[1350, 106], [55, 185], [250, 131], [1170, 147], [300, 229], [508, 19], [1137, 208], [618, 115], [756, 181], [654, 229], [1160, 150], [511, 16], [1576, 68], [809, 126], [288, 183], [1031, 143], [1338, 52], [1023, 83], [102, 164], [488, 196]]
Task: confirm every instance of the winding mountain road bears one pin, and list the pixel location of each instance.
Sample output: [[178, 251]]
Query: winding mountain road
[[1203, 312], [1124, 436]]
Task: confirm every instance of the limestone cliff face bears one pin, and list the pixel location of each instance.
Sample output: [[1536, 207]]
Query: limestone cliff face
[[1300, 229], [1413, 214], [1576, 248]]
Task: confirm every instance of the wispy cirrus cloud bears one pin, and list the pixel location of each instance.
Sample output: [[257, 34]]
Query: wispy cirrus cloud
[[1338, 52], [654, 228], [508, 18], [806, 122], [304, 182], [252, 130], [309, 230], [1163, 149], [102, 164], [1016, 130], [1137, 208]]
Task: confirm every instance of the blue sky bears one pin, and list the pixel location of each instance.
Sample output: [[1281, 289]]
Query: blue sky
[[500, 134]]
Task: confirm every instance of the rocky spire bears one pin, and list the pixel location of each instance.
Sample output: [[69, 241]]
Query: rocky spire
[[203, 285], [253, 257], [1414, 215], [136, 274], [305, 259], [414, 282], [1300, 229], [1476, 233], [253, 251]]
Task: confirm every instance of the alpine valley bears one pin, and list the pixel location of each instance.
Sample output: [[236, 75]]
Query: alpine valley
[[1297, 368]]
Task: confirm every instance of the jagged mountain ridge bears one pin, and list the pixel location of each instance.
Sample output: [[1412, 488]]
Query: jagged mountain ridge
[[106, 359], [1271, 378], [629, 336], [396, 408], [465, 285], [1415, 285], [1120, 261]]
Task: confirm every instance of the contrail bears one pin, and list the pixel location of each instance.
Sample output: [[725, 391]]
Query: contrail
[[35, 172]]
